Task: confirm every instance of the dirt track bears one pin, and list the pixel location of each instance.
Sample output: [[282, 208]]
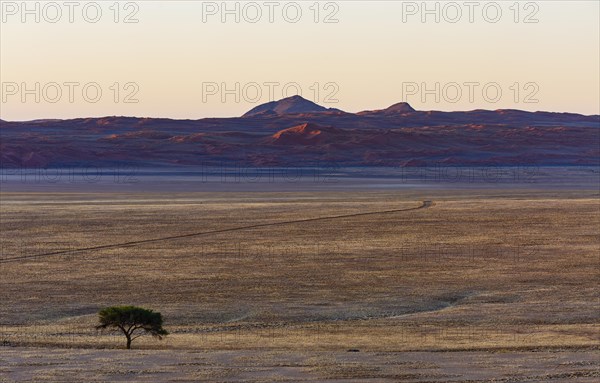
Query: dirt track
[[424, 205]]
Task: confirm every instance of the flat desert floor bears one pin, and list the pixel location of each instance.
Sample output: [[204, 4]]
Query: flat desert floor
[[371, 286]]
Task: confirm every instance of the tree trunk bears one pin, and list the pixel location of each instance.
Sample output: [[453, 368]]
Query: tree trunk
[[128, 342]]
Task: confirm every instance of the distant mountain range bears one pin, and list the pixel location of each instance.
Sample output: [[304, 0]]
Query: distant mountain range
[[297, 132]]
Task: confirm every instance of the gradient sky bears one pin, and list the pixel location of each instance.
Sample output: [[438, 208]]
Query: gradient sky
[[370, 56]]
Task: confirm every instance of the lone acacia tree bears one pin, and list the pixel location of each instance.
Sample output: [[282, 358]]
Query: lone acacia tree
[[130, 319]]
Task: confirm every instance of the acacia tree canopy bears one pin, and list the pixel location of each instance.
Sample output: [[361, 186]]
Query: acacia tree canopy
[[132, 321]]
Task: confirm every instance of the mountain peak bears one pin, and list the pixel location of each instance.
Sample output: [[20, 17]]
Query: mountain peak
[[293, 104], [398, 108], [401, 107]]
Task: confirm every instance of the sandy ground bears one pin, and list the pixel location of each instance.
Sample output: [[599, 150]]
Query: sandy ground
[[37, 365], [481, 286]]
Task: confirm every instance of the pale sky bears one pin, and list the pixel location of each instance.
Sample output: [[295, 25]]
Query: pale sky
[[376, 54]]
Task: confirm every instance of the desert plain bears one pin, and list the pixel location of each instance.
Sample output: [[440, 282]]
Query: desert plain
[[435, 284]]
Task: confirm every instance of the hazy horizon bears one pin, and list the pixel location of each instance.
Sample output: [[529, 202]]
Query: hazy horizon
[[182, 61], [240, 116]]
